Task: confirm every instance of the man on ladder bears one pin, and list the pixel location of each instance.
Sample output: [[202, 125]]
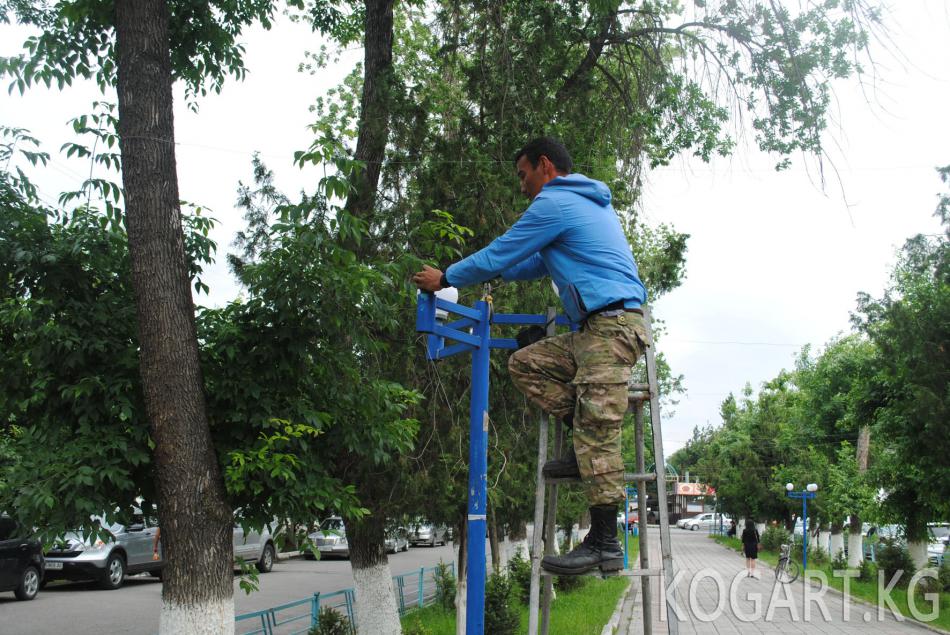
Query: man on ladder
[[571, 233]]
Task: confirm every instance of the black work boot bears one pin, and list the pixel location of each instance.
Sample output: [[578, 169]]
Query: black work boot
[[599, 549], [564, 467]]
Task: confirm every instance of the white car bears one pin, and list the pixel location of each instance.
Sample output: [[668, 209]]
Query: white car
[[706, 521], [939, 539], [330, 539], [254, 546], [119, 551]]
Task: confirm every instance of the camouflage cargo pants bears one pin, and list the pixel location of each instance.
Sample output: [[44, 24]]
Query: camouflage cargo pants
[[586, 373]]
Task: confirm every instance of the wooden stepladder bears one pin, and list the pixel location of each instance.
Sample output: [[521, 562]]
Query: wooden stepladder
[[639, 395]]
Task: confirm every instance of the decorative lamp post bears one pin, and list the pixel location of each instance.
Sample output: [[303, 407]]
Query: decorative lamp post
[[810, 491]]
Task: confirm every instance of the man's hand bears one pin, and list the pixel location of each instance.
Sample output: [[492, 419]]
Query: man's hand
[[429, 279]]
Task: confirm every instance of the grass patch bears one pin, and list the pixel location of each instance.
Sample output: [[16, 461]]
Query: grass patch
[[867, 591], [582, 611]]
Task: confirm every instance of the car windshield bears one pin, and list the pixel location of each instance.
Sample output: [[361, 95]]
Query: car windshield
[[940, 533], [332, 524]]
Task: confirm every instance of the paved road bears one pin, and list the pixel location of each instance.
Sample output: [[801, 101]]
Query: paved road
[[695, 552], [80, 608]]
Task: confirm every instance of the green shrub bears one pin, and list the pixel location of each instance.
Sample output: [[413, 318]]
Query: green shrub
[[445, 586], [867, 571], [798, 546], [501, 606], [774, 538], [840, 562], [568, 583], [329, 622], [891, 558], [818, 556], [416, 628], [519, 570], [945, 574]]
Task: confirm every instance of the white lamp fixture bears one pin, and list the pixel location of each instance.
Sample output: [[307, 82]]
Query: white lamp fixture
[[449, 294], [812, 487], [789, 487]]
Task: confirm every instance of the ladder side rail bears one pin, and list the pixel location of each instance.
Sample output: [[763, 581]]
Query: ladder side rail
[[550, 524], [645, 589], [660, 463], [536, 543]]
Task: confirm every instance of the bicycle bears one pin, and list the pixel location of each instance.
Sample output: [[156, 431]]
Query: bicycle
[[787, 570]]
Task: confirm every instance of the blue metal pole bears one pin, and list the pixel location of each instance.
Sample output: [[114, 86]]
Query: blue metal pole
[[804, 530], [478, 476], [626, 524]]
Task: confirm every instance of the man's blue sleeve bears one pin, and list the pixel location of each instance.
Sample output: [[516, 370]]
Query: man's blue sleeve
[[538, 227], [530, 269]]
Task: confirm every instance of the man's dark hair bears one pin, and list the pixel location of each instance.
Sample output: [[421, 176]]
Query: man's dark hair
[[553, 149]]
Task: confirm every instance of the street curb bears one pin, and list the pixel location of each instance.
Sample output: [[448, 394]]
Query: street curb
[[898, 617], [614, 622]]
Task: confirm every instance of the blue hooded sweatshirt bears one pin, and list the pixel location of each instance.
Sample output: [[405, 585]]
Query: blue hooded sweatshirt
[[571, 233]]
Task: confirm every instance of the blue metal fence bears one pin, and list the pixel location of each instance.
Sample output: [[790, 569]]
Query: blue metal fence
[[413, 590]]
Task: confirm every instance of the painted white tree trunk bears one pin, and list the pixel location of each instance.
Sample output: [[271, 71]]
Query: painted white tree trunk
[[460, 592], [855, 550], [460, 606], [824, 540], [837, 544], [760, 527], [515, 547], [918, 553], [376, 611], [211, 618]]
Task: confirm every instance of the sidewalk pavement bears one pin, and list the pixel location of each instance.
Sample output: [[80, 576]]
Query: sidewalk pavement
[[781, 607]]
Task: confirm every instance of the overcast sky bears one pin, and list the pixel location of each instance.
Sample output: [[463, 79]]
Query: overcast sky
[[775, 260]]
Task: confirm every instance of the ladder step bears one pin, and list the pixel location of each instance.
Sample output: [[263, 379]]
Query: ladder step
[[630, 573], [628, 477], [638, 395]]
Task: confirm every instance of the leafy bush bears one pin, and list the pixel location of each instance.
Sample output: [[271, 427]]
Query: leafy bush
[[774, 538], [330, 622], [445, 586], [501, 606], [817, 556], [891, 558], [519, 570], [945, 574], [568, 583], [867, 571], [416, 628], [840, 562]]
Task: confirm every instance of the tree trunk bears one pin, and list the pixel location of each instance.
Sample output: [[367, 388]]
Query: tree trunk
[[855, 544], [493, 543], [518, 541], [374, 106], [196, 520], [837, 540], [461, 544], [918, 553], [376, 610]]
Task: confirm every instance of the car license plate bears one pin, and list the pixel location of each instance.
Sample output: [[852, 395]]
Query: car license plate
[[54, 565]]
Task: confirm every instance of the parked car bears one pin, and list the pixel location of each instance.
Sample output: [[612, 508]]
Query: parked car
[[939, 539], [397, 539], [21, 560], [428, 534], [330, 539], [120, 550], [254, 546], [706, 521]]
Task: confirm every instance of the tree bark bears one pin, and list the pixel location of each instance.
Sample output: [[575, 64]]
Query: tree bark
[[493, 542], [374, 106], [376, 610], [196, 520], [855, 543], [461, 543]]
